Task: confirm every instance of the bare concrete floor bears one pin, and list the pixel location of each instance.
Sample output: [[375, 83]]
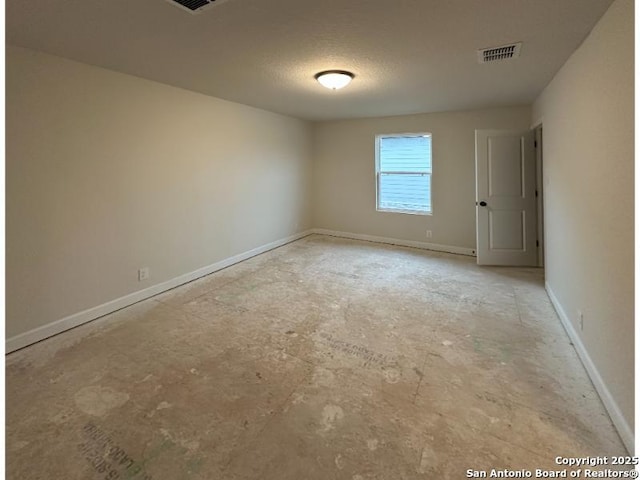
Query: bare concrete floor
[[323, 359]]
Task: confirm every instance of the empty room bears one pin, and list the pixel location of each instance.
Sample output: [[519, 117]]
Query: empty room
[[291, 240]]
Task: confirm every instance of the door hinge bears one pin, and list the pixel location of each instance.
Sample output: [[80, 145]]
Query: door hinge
[[535, 144], [537, 243], [536, 193]]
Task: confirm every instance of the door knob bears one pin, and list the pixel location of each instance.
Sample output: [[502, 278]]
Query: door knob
[[483, 203]]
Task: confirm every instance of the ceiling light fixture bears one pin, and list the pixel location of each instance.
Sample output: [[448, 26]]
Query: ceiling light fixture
[[334, 79]]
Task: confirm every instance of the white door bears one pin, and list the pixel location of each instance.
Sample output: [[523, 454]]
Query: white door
[[505, 198]]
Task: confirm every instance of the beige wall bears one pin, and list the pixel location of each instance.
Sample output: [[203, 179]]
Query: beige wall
[[107, 173], [344, 174], [587, 113]]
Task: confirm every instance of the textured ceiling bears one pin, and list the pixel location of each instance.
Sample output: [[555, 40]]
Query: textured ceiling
[[408, 56]]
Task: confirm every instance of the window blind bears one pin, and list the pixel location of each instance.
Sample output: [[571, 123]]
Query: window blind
[[404, 173]]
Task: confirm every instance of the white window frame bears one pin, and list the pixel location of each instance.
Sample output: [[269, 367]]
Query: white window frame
[[397, 210]]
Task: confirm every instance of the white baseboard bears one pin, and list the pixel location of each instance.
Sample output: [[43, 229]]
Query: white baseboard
[[32, 336], [394, 241], [624, 429]]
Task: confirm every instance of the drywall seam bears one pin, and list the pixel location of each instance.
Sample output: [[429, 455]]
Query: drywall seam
[[394, 241], [37, 334], [624, 429]]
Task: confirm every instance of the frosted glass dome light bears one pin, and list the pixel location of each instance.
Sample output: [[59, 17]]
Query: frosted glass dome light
[[334, 79]]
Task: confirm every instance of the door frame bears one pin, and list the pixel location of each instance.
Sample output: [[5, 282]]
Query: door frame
[[539, 146]]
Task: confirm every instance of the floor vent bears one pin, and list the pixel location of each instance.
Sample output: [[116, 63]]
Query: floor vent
[[194, 6], [504, 52]]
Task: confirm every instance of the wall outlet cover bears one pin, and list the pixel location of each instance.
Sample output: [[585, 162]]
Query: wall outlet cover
[[143, 274]]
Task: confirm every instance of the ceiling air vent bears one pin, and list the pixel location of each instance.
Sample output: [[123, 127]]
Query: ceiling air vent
[[504, 52], [194, 6]]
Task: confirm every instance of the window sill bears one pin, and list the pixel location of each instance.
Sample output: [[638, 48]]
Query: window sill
[[407, 212]]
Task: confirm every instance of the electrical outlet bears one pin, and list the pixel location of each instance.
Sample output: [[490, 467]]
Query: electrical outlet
[[581, 320], [428, 233], [143, 274]]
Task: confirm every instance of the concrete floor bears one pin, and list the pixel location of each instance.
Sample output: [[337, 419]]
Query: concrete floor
[[324, 359]]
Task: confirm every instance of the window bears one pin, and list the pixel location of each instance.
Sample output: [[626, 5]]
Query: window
[[403, 171]]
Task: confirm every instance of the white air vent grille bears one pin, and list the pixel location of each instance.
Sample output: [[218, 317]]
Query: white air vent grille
[[194, 6], [504, 52]]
